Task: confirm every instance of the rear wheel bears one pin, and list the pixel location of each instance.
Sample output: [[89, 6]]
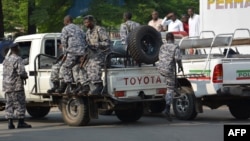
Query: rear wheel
[[184, 106], [38, 111], [129, 114], [75, 111], [240, 110]]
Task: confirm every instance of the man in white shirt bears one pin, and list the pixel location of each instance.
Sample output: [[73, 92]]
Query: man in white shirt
[[156, 21], [174, 25], [194, 23]]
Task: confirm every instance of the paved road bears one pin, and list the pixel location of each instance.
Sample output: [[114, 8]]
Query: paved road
[[208, 126]]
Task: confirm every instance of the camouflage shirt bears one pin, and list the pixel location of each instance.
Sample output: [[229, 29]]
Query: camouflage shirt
[[73, 39], [97, 38], [168, 52], [126, 28], [13, 70]]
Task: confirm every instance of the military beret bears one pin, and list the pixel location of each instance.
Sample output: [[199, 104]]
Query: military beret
[[13, 45]]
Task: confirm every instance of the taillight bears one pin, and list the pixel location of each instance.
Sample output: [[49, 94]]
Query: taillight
[[119, 93], [161, 91], [218, 74]]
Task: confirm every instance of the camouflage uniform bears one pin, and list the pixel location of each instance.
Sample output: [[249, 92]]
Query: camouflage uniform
[[13, 85], [73, 41], [126, 28], [166, 67], [98, 41]]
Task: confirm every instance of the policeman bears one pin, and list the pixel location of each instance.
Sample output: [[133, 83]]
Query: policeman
[[14, 76], [73, 42], [169, 55], [98, 45], [127, 26]]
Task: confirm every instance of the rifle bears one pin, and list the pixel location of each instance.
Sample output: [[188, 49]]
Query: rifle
[[84, 60]]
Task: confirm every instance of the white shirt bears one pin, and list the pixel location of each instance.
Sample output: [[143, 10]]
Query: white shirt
[[175, 26], [172, 25], [194, 25], [156, 24]]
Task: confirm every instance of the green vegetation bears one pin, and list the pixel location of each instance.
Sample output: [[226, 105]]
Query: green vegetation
[[30, 16]]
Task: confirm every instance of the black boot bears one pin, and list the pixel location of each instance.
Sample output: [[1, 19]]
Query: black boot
[[166, 112], [97, 89], [10, 124], [62, 88], [69, 88], [55, 86], [22, 124], [84, 89], [77, 89]]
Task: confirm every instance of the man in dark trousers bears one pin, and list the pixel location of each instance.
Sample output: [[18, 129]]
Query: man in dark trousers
[[14, 76]]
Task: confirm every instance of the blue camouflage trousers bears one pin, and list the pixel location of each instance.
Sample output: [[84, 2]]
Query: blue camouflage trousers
[[92, 72], [170, 82], [55, 72], [15, 101], [67, 67]]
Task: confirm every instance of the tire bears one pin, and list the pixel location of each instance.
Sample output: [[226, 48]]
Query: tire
[[240, 110], [184, 106], [157, 107], [38, 112], [75, 112], [144, 44], [131, 114]]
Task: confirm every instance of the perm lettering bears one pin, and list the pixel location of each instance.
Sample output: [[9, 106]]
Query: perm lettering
[[142, 80], [227, 4], [237, 132]]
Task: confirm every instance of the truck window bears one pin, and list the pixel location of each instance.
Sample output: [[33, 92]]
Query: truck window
[[24, 49], [49, 47]]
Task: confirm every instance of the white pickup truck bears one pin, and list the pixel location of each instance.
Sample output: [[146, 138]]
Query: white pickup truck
[[218, 73], [128, 89], [209, 79]]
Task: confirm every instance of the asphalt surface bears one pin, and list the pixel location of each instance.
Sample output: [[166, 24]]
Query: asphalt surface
[[208, 126]]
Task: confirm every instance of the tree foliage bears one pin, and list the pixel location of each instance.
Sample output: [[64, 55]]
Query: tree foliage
[[47, 15], [109, 12]]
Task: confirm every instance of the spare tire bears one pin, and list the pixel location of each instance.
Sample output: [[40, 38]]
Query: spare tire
[[144, 44]]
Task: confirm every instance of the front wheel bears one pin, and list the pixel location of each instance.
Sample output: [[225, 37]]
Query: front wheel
[[184, 106], [75, 111], [130, 114], [38, 111]]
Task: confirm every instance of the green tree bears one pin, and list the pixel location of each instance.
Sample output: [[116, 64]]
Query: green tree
[[109, 12], [29, 15], [48, 15]]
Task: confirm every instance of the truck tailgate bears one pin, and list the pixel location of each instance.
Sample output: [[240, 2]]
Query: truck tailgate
[[134, 80], [236, 70]]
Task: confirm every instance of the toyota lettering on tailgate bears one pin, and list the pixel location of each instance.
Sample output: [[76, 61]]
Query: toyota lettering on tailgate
[[143, 80]]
